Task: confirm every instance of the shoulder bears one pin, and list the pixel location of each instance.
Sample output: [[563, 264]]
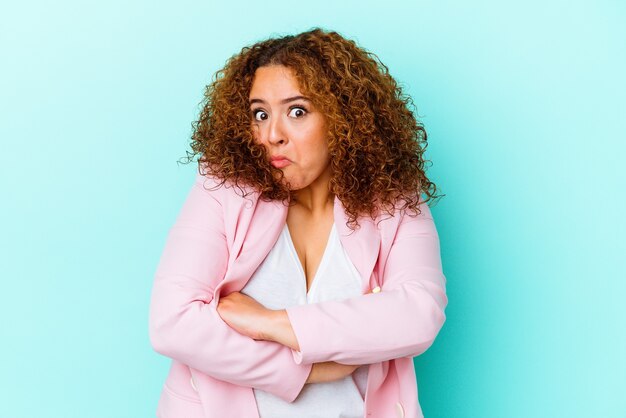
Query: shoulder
[[390, 221], [224, 192]]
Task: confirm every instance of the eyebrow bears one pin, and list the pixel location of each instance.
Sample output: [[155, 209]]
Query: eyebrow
[[287, 100]]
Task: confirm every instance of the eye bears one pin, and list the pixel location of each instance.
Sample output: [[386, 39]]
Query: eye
[[259, 114], [297, 111]]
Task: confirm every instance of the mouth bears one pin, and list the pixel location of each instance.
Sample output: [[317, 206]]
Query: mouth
[[279, 161]]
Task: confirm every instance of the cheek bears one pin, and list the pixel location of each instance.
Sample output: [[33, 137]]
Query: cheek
[[316, 159], [320, 149], [317, 145]]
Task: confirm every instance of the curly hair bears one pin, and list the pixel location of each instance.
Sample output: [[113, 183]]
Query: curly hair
[[376, 144]]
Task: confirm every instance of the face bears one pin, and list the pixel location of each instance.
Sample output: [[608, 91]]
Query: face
[[291, 129]]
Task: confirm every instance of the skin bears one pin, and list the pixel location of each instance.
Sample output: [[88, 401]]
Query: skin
[[295, 129]]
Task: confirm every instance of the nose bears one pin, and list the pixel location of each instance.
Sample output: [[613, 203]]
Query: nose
[[275, 134]]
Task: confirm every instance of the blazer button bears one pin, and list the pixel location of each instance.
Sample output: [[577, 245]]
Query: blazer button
[[399, 410], [193, 385], [376, 289]]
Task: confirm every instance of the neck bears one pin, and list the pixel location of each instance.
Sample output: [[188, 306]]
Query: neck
[[316, 198]]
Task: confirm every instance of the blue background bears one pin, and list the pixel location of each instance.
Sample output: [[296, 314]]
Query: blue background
[[524, 106]]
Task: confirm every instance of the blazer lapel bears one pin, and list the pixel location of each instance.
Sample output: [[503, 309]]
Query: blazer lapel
[[362, 244], [258, 229]]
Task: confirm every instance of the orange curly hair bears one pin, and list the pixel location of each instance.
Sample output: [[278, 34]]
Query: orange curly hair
[[376, 144]]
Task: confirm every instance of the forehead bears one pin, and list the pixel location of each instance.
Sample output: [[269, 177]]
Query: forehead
[[275, 81]]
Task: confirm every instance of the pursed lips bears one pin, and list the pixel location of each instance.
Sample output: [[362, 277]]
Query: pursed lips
[[280, 161]]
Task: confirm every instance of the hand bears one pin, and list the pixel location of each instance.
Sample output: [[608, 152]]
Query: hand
[[245, 315], [248, 317], [329, 371]]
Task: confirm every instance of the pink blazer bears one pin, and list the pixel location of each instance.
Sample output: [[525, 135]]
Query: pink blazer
[[214, 247]]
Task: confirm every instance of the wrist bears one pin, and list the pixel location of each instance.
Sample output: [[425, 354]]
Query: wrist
[[268, 331], [278, 328]]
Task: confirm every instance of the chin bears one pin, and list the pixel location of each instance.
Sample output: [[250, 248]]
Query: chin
[[292, 184]]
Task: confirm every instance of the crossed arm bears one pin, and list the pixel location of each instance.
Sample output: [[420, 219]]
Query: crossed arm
[[243, 343], [369, 328]]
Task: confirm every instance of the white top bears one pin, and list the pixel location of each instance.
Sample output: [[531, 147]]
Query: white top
[[280, 282]]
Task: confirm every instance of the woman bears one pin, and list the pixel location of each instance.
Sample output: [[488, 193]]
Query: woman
[[303, 272]]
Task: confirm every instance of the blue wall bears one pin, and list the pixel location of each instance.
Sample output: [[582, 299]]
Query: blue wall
[[524, 106]]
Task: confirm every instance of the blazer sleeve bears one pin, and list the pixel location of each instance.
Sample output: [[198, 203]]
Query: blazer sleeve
[[402, 320], [184, 326]]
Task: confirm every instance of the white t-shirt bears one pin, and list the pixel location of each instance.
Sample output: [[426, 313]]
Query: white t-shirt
[[280, 282]]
